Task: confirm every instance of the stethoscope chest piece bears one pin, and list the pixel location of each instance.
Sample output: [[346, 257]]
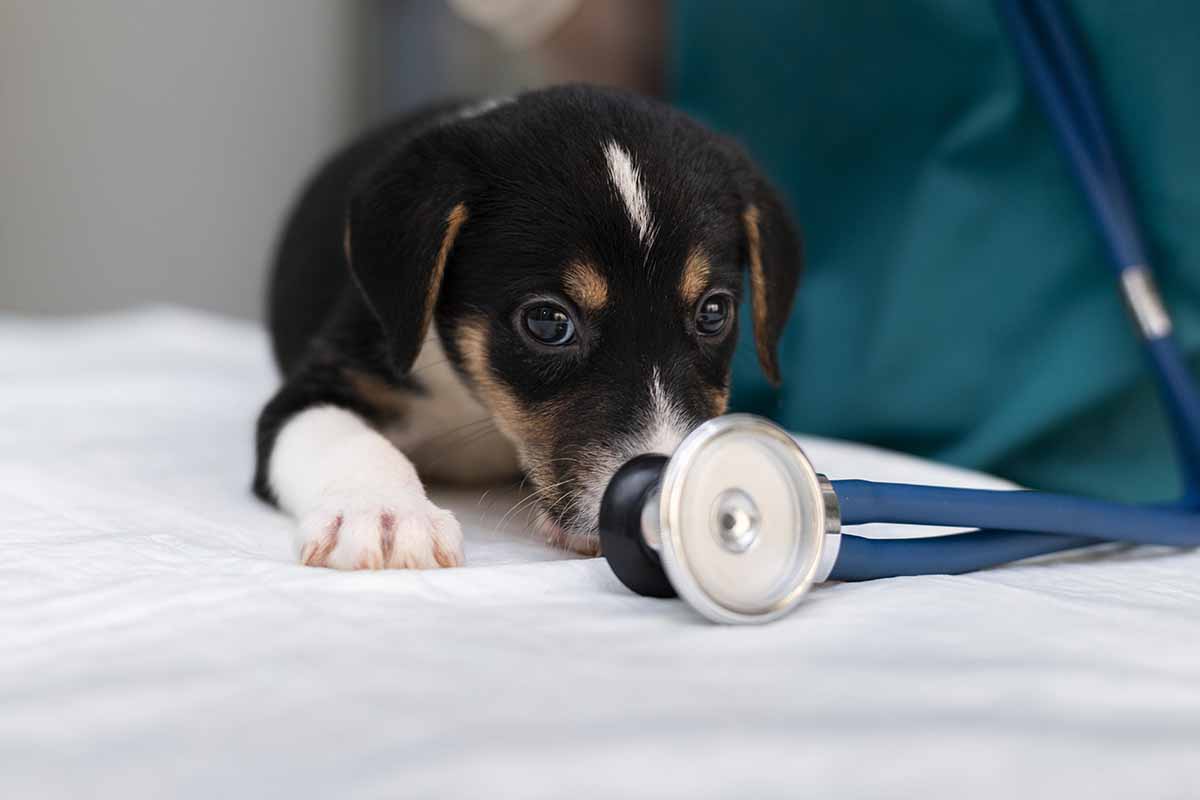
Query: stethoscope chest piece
[[735, 522]]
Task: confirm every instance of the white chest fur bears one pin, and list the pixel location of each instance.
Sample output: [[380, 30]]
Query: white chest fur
[[446, 433]]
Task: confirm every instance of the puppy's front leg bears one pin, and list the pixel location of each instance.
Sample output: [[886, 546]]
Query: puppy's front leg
[[358, 500]]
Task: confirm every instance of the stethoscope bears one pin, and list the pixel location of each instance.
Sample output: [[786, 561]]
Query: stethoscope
[[739, 524]]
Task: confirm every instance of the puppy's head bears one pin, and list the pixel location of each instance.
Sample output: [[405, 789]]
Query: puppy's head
[[582, 254]]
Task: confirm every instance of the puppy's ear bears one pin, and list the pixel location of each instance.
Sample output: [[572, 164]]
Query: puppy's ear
[[774, 257], [401, 228]]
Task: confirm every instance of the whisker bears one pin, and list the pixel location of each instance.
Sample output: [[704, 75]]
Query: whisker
[[527, 501], [437, 437], [566, 495], [424, 367], [562, 458], [466, 440], [522, 503]]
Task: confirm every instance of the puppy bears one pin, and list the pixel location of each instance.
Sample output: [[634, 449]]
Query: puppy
[[546, 284]]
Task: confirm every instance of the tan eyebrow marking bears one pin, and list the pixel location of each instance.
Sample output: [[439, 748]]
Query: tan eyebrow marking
[[586, 286], [696, 272]]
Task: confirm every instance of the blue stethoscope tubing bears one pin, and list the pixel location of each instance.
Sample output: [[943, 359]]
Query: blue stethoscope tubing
[[1047, 47], [1015, 525], [1018, 525]]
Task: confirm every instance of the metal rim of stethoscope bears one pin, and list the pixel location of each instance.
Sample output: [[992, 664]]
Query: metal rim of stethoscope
[[793, 539]]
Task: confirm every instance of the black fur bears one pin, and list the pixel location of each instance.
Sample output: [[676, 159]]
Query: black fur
[[532, 177]]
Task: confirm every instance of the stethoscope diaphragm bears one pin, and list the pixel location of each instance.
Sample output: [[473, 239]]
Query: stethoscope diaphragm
[[737, 522]]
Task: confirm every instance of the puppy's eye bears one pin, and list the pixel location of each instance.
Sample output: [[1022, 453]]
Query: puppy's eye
[[712, 314], [549, 324]]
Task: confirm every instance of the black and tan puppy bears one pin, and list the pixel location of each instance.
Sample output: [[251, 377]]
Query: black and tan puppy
[[560, 270]]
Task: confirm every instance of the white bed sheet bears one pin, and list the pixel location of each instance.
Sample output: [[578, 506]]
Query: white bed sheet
[[156, 638]]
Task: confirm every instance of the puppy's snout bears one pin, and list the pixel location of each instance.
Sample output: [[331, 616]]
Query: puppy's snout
[[583, 457], [610, 457]]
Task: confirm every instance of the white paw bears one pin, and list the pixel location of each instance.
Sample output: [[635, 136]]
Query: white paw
[[359, 533]]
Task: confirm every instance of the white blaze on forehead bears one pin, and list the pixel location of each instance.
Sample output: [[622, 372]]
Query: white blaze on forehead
[[482, 107], [627, 180]]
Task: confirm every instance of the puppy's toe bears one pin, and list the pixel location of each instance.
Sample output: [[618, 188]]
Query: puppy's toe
[[319, 538], [427, 539], [447, 539], [381, 535]]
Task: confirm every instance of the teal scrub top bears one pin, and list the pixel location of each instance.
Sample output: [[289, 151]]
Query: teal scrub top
[[956, 302]]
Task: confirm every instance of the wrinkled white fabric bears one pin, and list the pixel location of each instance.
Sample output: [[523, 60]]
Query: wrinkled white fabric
[[157, 640]]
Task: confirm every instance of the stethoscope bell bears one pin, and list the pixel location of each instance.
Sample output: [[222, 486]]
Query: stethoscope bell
[[736, 522]]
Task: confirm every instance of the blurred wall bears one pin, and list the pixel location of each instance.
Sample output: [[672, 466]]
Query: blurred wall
[[148, 148], [424, 51]]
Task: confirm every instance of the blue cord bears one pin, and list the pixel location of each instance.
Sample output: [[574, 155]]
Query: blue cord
[[1048, 49], [861, 559], [1056, 71], [1178, 391], [1033, 512]]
